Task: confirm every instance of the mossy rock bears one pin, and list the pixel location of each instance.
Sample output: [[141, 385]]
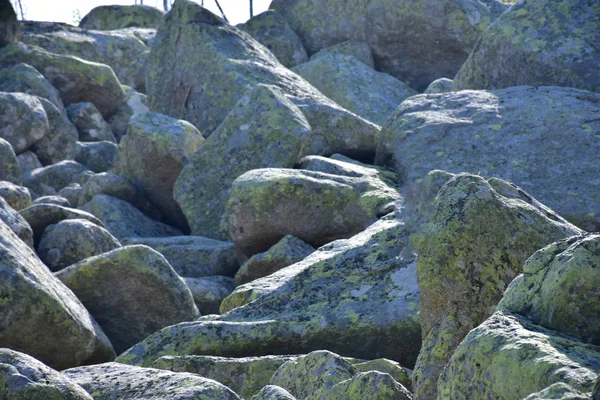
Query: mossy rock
[[558, 391], [49, 180], [98, 157], [27, 161], [89, 123], [366, 385], [209, 292], [10, 170], [26, 79], [16, 222], [23, 120], [16, 196], [108, 18], [272, 392], [400, 374], [355, 48], [59, 143]]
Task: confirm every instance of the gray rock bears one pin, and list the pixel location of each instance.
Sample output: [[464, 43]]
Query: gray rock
[[538, 43], [355, 48], [355, 86], [26, 79], [441, 85], [272, 30], [89, 123], [9, 166], [558, 391], [272, 392], [27, 162], [58, 200], [135, 103], [542, 139], [41, 317], [47, 181], [209, 292], [194, 256], [112, 381], [152, 155], [132, 292], [24, 377], [108, 18], [96, 156], [23, 120], [59, 143], [9, 26], [394, 369], [414, 41], [287, 251], [17, 197], [124, 220], [77, 80], [73, 240], [366, 385], [16, 222], [338, 164]]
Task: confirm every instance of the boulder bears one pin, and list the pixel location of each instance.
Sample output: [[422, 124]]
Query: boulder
[[23, 120], [77, 80], [47, 181], [41, 317], [131, 291], [462, 279], [59, 143], [272, 30], [124, 220], [58, 200], [209, 292], [27, 162], [96, 156], [357, 297], [542, 139], [73, 240], [10, 170], [355, 86], [366, 385], [193, 256], [287, 251], [89, 123], [558, 391], [108, 18], [414, 41], [16, 222], [26, 79], [267, 204], [441, 85], [272, 392], [355, 48], [203, 90], [537, 43], [17, 197], [152, 155], [24, 377], [112, 381], [338, 164], [9, 26], [395, 370], [245, 376], [135, 103]]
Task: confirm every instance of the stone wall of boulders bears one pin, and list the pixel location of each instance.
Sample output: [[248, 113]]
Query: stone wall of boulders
[[376, 199]]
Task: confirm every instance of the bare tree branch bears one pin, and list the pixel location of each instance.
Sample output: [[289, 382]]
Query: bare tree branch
[[220, 9], [251, 9]]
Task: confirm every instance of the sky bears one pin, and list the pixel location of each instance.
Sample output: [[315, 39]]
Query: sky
[[237, 11]]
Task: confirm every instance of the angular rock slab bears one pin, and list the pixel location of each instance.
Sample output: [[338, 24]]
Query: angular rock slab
[[538, 43], [364, 304], [113, 381], [474, 245], [542, 139], [41, 316], [132, 292]]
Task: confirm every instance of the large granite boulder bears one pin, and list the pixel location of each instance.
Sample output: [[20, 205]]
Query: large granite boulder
[[41, 317], [357, 297], [112, 381], [538, 43], [26, 79], [152, 155], [272, 30], [267, 204], [414, 41], [23, 120], [542, 139], [9, 166], [203, 90], [59, 143], [24, 377], [108, 18], [474, 245], [355, 86], [9, 26], [132, 292], [77, 80]]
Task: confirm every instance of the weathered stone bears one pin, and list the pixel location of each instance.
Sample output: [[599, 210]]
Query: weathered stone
[[47, 181], [267, 204], [108, 18], [89, 123], [245, 376], [542, 139], [414, 41], [10, 170], [23, 120], [558, 391], [9, 26], [395, 370], [538, 43], [209, 292], [132, 292], [287, 251], [272, 392], [193, 256], [357, 297], [355, 48], [25, 378], [112, 381], [17, 197], [96, 156], [441, 85], [73, 240], [77, 80], [366, 385], [135, 103], [152, 155], [27, 161], [58, 200], [59, 143], [461, 280], [124, 220], [16, 222], [41, 317], [338, 164], [26, 79], [272, 30]]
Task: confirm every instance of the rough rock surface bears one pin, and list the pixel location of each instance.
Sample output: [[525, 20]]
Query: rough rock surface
[[23, 120], [132, 292], [558, 391], [24, 377], [538, 43], [17, 197], [366, 385], [9, 166], [48, 181], [135, 103], [267, 204], [89, 123], [96, 156], [272, 392], [26, 79], [461, 279], [41, 316], [414, 41], [59, 143], [108, 18], [73, 240], [209, 292], [27, 161], [355, 86], [272, 30], [152, 155], [542, 139], [16, 222], [441, 85], [112, 381], [355, 48], [58, 200]]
